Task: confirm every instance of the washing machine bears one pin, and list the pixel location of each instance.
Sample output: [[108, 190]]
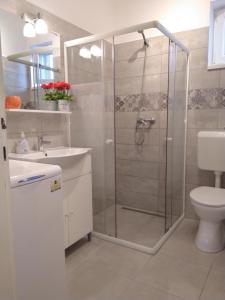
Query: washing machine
[[37, 220]]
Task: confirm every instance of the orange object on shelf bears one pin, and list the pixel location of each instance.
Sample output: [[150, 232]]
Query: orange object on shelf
[[13, 102]]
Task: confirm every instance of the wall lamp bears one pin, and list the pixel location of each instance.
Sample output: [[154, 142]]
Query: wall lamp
[[88, 53], [34, 26]]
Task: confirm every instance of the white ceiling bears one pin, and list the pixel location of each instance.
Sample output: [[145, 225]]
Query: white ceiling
[[98, 16]]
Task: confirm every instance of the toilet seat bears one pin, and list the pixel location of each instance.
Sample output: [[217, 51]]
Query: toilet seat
[[208, 196]]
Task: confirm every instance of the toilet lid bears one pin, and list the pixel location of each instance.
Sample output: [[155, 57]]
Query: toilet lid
[[208, 196]]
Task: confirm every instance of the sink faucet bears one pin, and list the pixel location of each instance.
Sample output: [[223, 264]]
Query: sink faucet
[[42, 142]]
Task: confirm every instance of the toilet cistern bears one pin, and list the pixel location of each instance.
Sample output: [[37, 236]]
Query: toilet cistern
[[211, 153]]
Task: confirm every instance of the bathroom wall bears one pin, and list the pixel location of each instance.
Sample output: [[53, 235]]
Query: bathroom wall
[[52, 127], [139, 182], [141, 168], [206, 108], [17, 81]]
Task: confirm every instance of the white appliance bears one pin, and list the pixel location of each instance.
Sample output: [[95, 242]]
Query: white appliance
[[38, 231]]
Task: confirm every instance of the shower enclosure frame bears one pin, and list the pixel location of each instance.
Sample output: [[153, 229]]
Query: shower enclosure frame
[[137, 28]]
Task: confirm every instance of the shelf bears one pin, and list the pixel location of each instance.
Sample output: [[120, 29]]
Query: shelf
[[36, 111]]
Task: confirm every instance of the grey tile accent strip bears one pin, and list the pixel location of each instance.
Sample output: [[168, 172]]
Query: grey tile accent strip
[[213, 98], [206, 98], [138, 102]]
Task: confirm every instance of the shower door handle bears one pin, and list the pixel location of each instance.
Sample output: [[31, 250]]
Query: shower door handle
[[109, 141], [169, 139]]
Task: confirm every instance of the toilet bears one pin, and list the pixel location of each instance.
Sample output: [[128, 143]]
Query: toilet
[[209, 202]]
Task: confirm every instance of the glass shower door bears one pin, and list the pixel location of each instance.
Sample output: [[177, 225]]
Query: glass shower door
[[176, 116], [90, 73]]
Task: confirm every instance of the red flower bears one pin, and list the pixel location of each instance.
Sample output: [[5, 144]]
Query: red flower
[[47, 86], [60, 85], [67, 86], [51, 85], [44, 86]]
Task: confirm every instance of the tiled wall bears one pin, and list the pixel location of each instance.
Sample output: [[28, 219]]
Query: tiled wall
[[141, 168], [52, 127], [206, 109], [17, 82], [139, 179]]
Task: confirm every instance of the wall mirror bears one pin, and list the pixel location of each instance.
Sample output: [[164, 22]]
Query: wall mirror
[[27, 61], [216, 51]]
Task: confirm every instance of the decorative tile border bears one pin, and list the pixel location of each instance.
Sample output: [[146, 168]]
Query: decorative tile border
[[206, 98], [213, 98], [138, 102]]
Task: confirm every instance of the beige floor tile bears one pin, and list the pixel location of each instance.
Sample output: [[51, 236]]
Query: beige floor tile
[[149, 234], [186, 230], [215, 286], [96, 281], [219, 263], [174, 276], [132, 226], [80, 252], [181, 245], [140, 291], [101, 270], [121, 260], [187, 252]]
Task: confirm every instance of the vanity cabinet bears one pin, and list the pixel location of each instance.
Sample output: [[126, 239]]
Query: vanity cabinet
[[77, 202]]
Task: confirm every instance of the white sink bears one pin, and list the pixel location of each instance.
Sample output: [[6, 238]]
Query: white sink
[[66, 158], [50, 153]]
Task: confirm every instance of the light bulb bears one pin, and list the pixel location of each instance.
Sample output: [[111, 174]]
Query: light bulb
[[85, 53], [28, 30], [96, 51], [41, 26]]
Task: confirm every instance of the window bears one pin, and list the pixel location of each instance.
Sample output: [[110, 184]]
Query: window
[[219, 37], [216, 52], [44, 59]]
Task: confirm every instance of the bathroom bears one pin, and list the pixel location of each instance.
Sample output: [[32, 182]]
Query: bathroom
[[138, 201]]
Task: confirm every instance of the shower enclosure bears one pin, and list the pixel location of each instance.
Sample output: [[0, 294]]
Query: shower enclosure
[[130, 108]]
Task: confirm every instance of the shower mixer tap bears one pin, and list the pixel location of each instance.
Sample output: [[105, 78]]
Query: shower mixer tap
[[145, 123]]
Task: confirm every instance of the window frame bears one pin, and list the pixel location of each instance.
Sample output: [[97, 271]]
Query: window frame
[[37, 56], [214, 7]]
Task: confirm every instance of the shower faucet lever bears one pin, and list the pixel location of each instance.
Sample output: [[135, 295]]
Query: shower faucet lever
[[145, 123]]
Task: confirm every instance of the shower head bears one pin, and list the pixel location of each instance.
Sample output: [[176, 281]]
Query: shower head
[[146, 43]]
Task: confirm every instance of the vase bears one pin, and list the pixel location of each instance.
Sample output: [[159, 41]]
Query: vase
[[13, 102], [63, 105], [49, 105]]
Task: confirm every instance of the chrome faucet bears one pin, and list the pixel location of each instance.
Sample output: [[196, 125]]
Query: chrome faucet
[[41, 143]]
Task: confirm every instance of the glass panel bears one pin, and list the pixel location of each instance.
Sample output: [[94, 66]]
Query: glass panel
[[141, 83], [137, 135], [92, 122], [175, 134]]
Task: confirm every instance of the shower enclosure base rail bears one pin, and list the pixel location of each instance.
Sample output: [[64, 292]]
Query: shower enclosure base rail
[[138, 247], [143, 211]]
